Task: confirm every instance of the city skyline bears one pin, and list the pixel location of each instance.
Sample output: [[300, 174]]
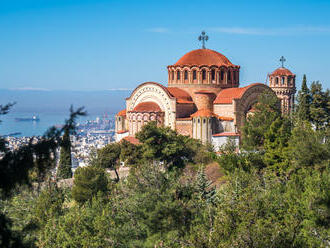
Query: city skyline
[[113, 45]]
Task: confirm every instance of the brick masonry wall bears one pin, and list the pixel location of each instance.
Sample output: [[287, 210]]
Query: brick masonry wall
[[184, 127]]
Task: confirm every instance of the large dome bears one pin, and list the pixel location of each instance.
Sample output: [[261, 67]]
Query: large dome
[[206, 57]]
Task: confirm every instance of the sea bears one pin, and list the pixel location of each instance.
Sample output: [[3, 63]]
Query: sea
[[11, 127], [52, 108]]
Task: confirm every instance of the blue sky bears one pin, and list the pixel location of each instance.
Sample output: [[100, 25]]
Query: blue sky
[[102, 45]]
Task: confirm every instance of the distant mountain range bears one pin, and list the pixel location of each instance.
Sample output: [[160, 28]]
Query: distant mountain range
[[59, 101]]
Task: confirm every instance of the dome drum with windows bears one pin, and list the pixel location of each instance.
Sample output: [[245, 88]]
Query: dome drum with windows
[[204, 67]]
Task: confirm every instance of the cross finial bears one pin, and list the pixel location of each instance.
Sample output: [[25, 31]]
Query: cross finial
[[282, 59], [203, 37]]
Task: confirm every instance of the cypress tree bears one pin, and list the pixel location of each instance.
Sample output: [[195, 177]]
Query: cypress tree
[[304, 101], [64, 169]]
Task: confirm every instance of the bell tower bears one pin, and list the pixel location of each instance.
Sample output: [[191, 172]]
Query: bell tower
[[283, 82]]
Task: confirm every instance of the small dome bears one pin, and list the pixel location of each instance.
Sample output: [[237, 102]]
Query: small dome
[[282, 71], [147, 107], [206, 57]]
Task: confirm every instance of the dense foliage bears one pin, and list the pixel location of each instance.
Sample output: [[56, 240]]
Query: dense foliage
[[275, 192]]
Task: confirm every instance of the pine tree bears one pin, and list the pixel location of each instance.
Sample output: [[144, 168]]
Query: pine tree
[[304, 101], [276, 144], [256, 126], [320, 107], [204, 187]]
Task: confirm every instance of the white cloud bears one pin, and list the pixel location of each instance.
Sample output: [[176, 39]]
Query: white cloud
[[158, 30], [305, 30]]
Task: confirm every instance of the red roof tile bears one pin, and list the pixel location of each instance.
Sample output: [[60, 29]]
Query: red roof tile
[[204, 113], [122, 131], [282, 72], [180, 95], [204, 57], [226, 96], [225, 134], [147, 107], [132, 140], [224, 118], [122, 113]]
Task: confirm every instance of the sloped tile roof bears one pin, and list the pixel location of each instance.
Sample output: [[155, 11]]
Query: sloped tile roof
[[122, 113], [180, 95], [226, 96]]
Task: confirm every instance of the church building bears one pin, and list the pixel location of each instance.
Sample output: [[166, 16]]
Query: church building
[[202, 98]]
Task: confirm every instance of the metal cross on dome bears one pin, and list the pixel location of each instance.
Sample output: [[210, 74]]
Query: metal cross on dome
[[203, 37], [282, 59]]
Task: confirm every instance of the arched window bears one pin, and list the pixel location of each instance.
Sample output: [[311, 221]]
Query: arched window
[[199, 120], [222, 75], [234, 74], [194, 75], [213, 74], [119, 119], [185, 75], [172, 75], [203, 75], [204, 121], [178, 75], [229, 75], [276, 80], [283, 80]]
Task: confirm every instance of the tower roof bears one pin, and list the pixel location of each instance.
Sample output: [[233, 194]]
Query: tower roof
[[282, 71], [206, 57]]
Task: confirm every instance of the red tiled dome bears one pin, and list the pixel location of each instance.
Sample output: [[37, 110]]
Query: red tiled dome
[[282, 72], [204, 57], [147, 107]]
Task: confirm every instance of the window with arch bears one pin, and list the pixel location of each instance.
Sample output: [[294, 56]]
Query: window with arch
[[178, 75], [212, 74], [203, 74], [185, 75], [234, 74], [199, 120], [283, 80], [229, 75], [276, 81], [194, 75], [172, 75], [204, 121], [119, 119], [222, 75]]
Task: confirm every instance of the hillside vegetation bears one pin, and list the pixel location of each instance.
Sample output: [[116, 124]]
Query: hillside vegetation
[[275, 192]]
